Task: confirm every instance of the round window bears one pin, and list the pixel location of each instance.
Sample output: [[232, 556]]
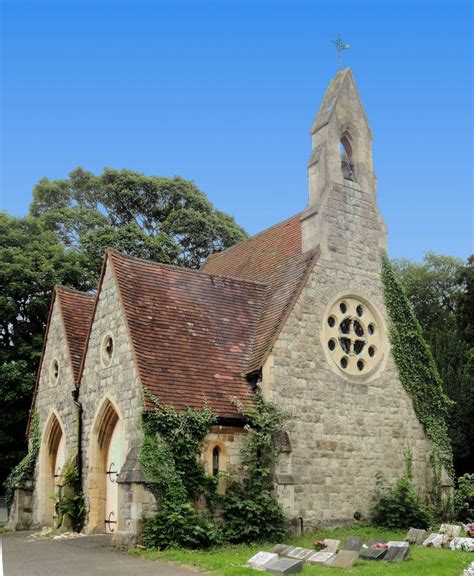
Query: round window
[[107, 351], [54, 372], [352, 336]]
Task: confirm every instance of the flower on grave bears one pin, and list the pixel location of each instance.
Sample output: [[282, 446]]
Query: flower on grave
[[380, 546], [319, 544], [469, 528]]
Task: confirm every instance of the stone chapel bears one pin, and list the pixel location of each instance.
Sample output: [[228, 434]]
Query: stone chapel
[[296, 310]]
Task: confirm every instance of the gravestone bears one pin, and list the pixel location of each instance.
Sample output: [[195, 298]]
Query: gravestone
[[287, 551], [415, 536], [450, 530], [285, 566], [281, 549], [353, 543], [321, 557], [373, 553], [260, 559], [399, 543], [460, 543], [331, 545], [300, 553], [344, 559], [434, 540], [397, 553]]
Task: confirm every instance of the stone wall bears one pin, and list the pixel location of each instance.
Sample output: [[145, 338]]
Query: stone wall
[[230, 441], [344, 428], [117, 383]]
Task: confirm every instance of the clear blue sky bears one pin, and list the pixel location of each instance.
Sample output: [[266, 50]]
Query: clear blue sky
[[224, 93]]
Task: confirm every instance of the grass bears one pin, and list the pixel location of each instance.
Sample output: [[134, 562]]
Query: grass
[[2, 528], [229, 560]]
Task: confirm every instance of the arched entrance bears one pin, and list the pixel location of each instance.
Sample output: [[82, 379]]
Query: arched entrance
[[107, 455], [52, 460]]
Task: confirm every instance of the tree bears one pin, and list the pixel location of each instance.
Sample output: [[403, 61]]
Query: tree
[[32, 261], [163, 219], [441, 290]]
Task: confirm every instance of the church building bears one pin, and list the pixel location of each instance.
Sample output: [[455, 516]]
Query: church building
[[296, 311]]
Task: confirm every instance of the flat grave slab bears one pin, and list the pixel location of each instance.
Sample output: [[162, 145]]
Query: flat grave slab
[[373, 553], [460, 543], [434, 540], [451, 530], [353, 543], [321, 557], [300, 553], [399, 543], [397, 553], [331, 545], [415, 536], [344, 559], [281, 549], [285, 566], [260, 559], [287, 551]]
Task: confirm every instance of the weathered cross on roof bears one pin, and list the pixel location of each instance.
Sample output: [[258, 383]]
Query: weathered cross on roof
[[339, 44]]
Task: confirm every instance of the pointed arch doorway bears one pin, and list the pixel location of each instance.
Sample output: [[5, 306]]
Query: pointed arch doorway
[[107, 455], [52, 460]]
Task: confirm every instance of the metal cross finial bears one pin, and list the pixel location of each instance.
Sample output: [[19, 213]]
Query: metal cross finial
[[339, 44]]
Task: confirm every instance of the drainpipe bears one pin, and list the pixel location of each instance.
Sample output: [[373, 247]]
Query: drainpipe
[[75, 397]]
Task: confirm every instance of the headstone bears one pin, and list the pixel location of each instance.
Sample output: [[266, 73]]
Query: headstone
[[287, 551], [434, 540], [399, 543], [300, 553], [353, 543], [344, 559], [415, 536], [281, 549], [373, 553], [260, 559], [397, 553], [331, 545], [459, 543], [450, 530], [321, 557], [285, 566]]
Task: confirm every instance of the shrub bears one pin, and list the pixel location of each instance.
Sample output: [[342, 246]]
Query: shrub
[[464, 498], [399, 506]]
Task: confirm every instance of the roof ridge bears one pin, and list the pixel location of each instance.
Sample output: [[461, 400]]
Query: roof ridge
[[60, 288], [199, 272]]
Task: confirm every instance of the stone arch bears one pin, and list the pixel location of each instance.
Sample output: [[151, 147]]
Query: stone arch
[[347, 152], [52, 458], [107, 434]]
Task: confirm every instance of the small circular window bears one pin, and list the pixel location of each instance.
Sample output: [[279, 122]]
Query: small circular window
[[54, 372], [352, 336], [107, 352]]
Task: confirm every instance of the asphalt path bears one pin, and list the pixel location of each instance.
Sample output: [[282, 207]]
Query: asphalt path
[[81, 556]]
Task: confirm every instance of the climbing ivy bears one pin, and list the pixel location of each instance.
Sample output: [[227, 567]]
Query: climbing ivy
[[416, 367], [69, 501], [24, 470]]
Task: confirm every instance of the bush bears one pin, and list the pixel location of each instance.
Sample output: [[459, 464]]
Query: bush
[[399, 506], [175, 526], [464, 498]]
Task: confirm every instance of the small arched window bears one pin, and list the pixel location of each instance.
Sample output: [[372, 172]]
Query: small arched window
[[215, 461], [347, 164]]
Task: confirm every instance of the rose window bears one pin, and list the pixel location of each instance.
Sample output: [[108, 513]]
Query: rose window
[[352, 336]]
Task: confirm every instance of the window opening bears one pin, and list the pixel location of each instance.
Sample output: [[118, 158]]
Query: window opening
[[215, 461]]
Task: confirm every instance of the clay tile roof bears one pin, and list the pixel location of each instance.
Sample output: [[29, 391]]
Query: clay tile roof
[[273, 257], [77, 309], [192, 333]]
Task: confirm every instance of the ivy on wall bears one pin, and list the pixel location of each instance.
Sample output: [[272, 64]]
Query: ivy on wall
[[24, 470], [416, 367]]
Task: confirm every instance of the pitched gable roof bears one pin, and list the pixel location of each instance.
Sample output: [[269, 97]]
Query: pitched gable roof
[[275, 258], [191, 333]]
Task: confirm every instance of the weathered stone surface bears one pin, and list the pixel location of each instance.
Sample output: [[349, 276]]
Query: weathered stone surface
[[353, 543], [459, 543], [260, 560], [373, 553], [434, 540], [300, 553], [281, 548], [322, 557], [285, 566], [397, 553], [415, 536], [451, 530], [331, 545], [344, 559], [398, 543]]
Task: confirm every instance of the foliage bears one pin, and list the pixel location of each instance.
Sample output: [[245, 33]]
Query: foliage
[[251, 511], [464, 498], [70, 499], [399, 506], [24, 470], [441, 291], [163, 219], [174, 474], [416, 367], [32, 261]]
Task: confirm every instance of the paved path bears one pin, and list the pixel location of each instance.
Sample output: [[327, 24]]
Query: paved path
[[82, 556]]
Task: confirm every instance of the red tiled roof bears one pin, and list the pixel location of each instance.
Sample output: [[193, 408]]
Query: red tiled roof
[[273, 257], [77, 309], [192, 333]]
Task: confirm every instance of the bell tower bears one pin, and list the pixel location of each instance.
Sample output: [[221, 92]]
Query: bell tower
[[342, 205]]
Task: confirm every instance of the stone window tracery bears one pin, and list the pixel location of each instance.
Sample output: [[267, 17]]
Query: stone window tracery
[[54, 372], [347, 164], [107, 350], [352, 336]]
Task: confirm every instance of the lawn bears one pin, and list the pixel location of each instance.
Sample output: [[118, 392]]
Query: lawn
[[228, 560]]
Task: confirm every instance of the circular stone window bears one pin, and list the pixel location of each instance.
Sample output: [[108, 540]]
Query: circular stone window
[[53, 372], [107, 350], [352, 336]]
